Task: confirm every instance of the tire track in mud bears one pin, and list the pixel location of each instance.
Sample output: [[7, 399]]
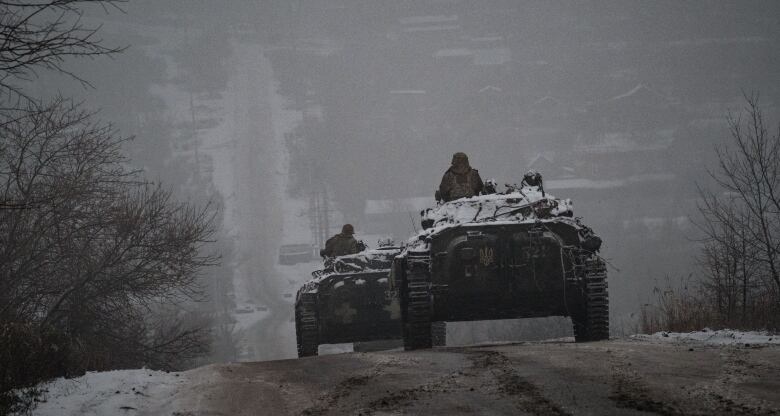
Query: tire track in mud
[[721, 395], [619, 378], [406, 397], [526, 396], [489, 374], [630, 391], [331, 402]]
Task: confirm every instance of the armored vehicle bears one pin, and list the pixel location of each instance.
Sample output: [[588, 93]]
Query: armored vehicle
[[348, 301], [518, 254], [351, 301]]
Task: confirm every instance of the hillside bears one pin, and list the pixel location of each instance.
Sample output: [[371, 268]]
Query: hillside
[[702, 374]]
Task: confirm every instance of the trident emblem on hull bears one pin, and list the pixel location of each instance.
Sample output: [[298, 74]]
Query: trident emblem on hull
[[486, 256]]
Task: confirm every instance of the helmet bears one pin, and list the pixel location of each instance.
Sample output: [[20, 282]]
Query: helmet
[[348, 229], [532, 178], [460, 157]]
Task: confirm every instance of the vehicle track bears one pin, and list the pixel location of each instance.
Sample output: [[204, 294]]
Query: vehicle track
[[722, 396], [488, 374], [616, 377], [509, 384], [631, 390]]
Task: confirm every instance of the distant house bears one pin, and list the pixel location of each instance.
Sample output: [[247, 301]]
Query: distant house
[[546, 103], [492, 56], [454, 56], [640, 119], [396, 217], [475, 56], [544, 163], [489, 89], [642, 95], [430, 27]]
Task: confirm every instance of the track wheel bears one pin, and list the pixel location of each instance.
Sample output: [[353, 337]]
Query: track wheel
[[417, 305], [439, 333], [306, 325], [591, 322]]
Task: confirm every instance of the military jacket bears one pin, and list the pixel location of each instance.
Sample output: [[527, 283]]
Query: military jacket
[[339, 245], [456, 185]]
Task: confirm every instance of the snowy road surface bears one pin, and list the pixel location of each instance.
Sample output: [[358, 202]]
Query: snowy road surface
[[620, 377], [252, 172]]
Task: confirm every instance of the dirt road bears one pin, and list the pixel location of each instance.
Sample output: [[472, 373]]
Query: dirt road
[[620, 377], [250, 170]]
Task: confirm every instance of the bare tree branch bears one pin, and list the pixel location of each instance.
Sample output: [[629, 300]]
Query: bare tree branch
[[741, 256], [88, 247], [42, 35]]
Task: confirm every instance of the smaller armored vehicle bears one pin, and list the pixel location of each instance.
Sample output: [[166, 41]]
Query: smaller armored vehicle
[[348, 301], [351, 301], [519, 254]]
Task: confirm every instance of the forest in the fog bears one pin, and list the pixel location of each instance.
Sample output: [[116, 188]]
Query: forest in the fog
[[155, 156]]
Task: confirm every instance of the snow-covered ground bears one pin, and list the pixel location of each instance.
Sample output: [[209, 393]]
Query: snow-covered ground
[[719, 337], [110, 393], [607, 377]]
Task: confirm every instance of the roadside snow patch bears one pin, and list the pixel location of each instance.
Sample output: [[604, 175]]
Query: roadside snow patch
[[109, 393], [719, 337]]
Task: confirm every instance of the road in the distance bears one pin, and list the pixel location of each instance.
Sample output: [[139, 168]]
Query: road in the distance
[[618, 377]]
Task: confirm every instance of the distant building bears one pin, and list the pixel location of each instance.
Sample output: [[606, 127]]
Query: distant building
[[396, 217], [639, 119], [544, 164]]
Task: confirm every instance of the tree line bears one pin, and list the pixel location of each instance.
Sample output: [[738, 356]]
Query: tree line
[[96, 261], [738, 283]]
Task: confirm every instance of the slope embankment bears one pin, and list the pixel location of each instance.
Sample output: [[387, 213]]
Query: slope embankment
[[622, 377], [637, 376]]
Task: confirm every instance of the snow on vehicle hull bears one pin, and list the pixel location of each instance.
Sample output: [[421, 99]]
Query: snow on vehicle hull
[[351, 301], [501, 256]]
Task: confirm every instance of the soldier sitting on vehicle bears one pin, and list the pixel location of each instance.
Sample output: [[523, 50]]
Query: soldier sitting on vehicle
[[341, 244], [460, 180]]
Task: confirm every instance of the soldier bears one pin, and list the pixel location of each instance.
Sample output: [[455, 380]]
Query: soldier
[[460, 180], [341, 244]]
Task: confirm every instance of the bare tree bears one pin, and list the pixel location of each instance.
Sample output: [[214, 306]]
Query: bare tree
[[97, 267], [728, 265], [742, 219], [41, 35], [88, 243]]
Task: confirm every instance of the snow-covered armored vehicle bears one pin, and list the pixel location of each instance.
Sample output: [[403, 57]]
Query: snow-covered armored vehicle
[[350, 300], [519, 254]]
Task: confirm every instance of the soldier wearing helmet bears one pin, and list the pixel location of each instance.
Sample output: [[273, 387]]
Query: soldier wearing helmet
[[341, 244], [460, 180]]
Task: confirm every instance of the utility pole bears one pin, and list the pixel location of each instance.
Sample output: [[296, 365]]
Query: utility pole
[[319, 213], [319, 204]]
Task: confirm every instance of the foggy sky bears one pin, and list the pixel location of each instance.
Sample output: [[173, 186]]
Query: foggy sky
[[618, 104]]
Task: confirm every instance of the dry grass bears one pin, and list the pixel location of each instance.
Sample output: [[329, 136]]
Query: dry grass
[[675, 311], [685, 307]]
